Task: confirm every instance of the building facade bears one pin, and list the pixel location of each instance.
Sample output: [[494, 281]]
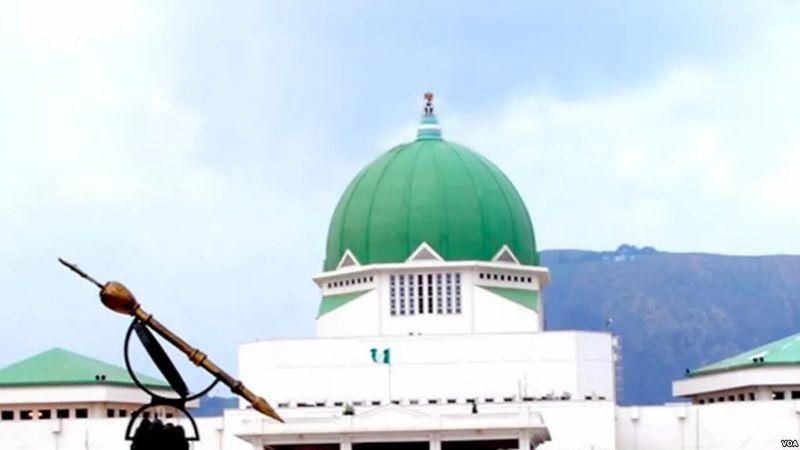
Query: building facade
[[431, 335], [59, 384], [431, 329]]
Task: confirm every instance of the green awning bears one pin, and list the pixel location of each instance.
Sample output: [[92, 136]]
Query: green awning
[[331, 302], [524, 297]]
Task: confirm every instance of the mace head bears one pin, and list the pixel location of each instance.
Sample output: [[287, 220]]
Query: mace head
[[261, 405], [118, 298]]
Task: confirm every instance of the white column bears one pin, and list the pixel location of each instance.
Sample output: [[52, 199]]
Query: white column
[[435, 443], [763, 393], [524, 442], [345, 443]]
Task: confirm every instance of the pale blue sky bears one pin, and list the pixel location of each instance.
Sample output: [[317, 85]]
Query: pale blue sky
[[196, 150]]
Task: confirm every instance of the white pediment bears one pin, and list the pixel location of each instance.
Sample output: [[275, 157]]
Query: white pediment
[[505, 255], [424, 253], [348, 259]]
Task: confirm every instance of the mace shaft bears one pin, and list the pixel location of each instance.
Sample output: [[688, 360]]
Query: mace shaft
[[118, 298]]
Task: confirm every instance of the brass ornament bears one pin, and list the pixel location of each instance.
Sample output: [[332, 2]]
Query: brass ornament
[[118, 298]]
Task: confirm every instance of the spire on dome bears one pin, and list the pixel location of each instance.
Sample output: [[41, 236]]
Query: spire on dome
[[429, 126], [429, 103]]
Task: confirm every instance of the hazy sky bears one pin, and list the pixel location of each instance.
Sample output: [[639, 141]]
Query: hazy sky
[[196, 150]]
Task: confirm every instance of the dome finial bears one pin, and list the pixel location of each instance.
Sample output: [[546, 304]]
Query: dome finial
[[429, 126], [428, 104]]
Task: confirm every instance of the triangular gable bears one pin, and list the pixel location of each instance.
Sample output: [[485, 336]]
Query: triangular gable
[[505, 255], [59, 367], [424, 253], [348, 259]]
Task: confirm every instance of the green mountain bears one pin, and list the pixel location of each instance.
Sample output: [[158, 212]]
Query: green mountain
[[211, 406], [672, 310]]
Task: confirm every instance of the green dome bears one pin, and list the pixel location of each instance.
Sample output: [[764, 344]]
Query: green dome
[[432, 191]]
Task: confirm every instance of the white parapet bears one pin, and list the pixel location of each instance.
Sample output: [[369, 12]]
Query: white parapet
[[722, 426], [550, 425], [66, 393], [737, 379], [98, 434], [575, 365], [389, 423]]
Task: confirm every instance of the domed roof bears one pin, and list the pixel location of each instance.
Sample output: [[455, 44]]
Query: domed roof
[[432, 191]]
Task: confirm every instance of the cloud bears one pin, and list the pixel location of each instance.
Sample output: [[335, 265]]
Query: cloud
[[780, 190], [65, 26], [197, 154], [703, 147]]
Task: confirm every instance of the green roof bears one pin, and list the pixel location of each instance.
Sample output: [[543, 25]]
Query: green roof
[[781, 352], [434, 191], [524, 297], [331, 302], [58, 366]]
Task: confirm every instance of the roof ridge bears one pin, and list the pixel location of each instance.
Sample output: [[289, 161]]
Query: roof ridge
[[61, 366], [745, 358]]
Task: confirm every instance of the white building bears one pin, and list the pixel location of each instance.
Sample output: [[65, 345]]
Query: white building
[[59, 384], [431, 335], [769, 372], [430, 328]]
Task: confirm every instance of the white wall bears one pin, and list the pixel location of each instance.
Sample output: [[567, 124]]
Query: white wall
[[595, 356], [423, 367], [355, 318], [75, 393], [494, 314], [572, 425], [93, 434], [481, 310], [723, 426], [581, 425]]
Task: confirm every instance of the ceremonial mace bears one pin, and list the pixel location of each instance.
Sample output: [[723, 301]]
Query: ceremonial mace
[[116, 297]]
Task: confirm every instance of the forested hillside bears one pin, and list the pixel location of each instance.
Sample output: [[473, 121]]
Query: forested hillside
[[673, 310]]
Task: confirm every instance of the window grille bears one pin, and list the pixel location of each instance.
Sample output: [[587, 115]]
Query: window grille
[[402, 292], [425, 293], [430, 293], [411, 296], [420, 294], [392, 296], [439, 296], [449, 290], [458, 293]]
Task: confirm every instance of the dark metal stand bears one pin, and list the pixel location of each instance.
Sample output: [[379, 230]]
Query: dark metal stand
[[151, 434]]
